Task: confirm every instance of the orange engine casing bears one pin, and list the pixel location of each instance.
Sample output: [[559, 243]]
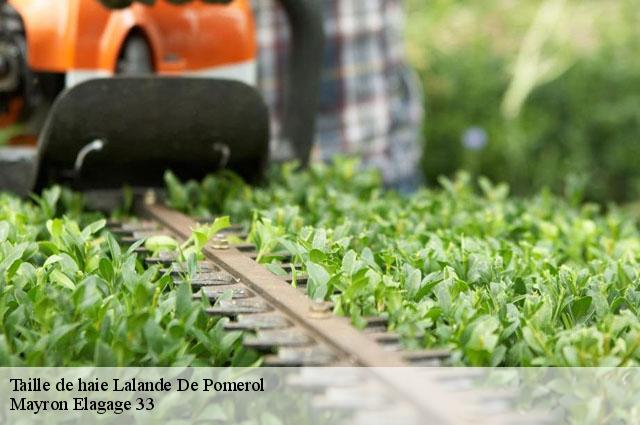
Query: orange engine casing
[[83, 38]]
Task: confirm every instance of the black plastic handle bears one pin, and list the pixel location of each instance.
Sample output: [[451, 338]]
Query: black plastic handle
[[303, 80]]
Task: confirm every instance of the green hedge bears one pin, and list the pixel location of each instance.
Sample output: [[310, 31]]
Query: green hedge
[[500, 280], [70, 295]]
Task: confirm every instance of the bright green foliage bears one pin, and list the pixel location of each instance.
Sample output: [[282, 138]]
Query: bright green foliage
[[499, 280], [70, 295], [322, 194], [193, 246]]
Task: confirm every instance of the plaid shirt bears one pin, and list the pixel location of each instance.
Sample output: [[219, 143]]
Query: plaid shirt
[[369, 103]]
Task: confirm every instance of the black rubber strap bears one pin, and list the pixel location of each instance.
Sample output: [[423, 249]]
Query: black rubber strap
[[303, 81]]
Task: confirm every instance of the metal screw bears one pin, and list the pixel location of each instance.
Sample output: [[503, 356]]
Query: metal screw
[[150, 197], [320, 309], [220, 241]]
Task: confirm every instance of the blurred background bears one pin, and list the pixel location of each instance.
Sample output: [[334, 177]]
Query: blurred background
[[536, 93]]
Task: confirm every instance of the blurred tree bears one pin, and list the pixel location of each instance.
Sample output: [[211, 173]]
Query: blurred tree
[[553, 88]]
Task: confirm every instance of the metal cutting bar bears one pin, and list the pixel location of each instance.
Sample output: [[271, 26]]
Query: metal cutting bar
[[337, 332], [423, 391]]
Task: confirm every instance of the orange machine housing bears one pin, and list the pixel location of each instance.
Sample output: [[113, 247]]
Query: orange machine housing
[[83, 35], [77, 40]]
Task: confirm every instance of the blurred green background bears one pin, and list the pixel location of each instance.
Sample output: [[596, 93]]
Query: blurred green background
[[537, 93]]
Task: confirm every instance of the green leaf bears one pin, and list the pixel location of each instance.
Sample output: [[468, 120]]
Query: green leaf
[[106, 269], [203, 234], [519, 286], [319, 240], [137, 244], [52, 260], [61, 279], [184, 300], [426, 286], [161, 243], [229, 339], [94, 228], [580, 308], [178, 196], [317, 256], [13, 257], [483, 335], [219, 224], [55, 228], [349, 263], [534, 340], [114, 247], [276, 269], [5, 228], [60, 332], [412, 281], [154, 337], [318, 280], [104, 355]]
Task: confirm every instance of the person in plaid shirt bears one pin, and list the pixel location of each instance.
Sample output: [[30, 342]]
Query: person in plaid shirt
[[369, 104]]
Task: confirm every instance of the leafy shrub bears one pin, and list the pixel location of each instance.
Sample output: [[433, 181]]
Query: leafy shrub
[[70, 296], [500, 280]]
